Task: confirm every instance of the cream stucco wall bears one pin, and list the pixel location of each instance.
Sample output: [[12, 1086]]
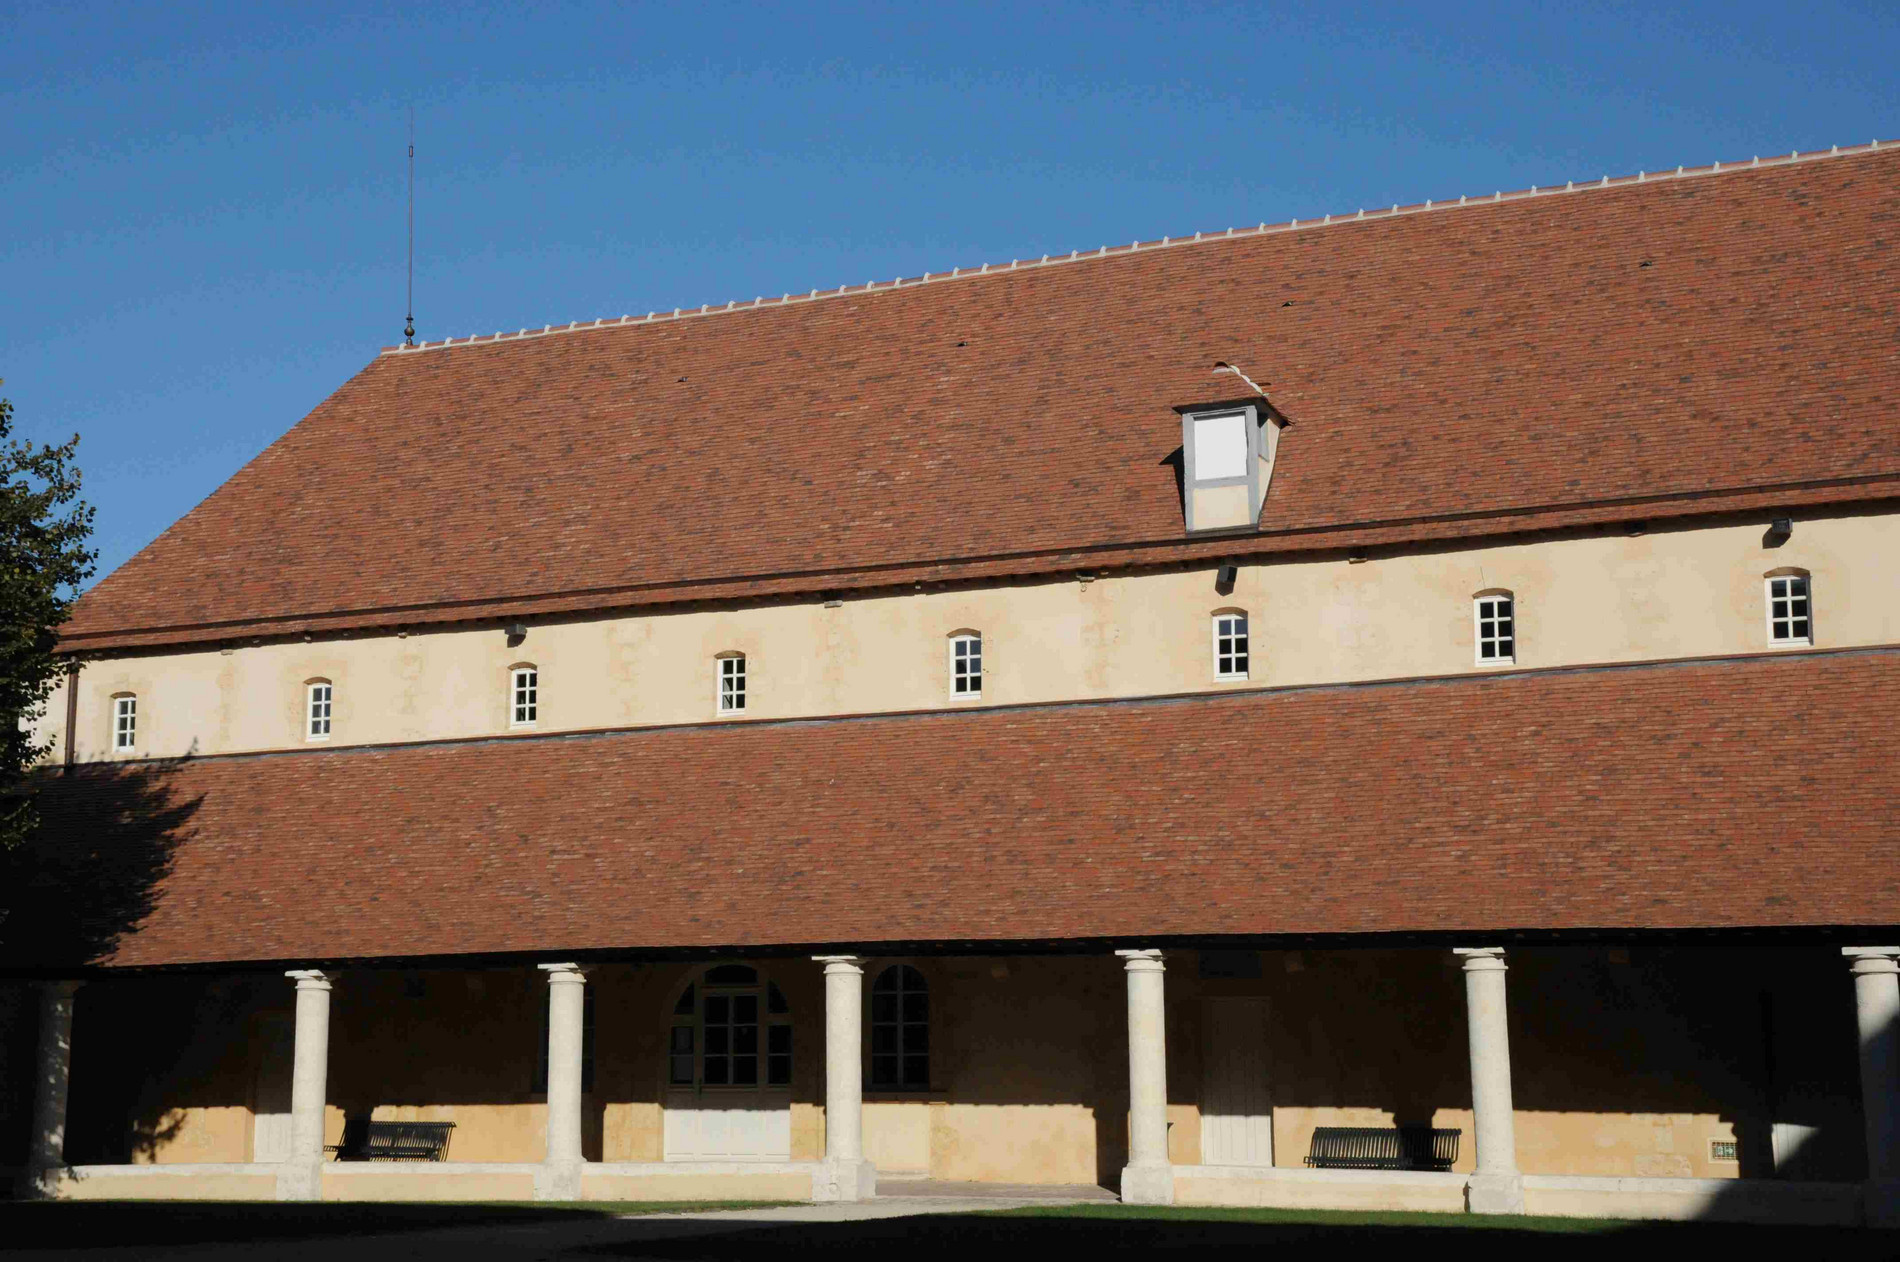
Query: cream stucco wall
[[1601, 599]]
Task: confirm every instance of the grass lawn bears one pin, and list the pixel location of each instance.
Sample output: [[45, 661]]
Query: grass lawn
[[1044, 1232], [95, 1224]]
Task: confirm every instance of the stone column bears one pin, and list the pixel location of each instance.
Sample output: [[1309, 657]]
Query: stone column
[[847, 1176], [559, 1178], [52, 1072], [1496, 1187], [1877, 1008], [301, 1177], [1148, 1179]]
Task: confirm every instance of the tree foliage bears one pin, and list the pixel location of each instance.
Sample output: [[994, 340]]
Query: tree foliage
[[44, 557]]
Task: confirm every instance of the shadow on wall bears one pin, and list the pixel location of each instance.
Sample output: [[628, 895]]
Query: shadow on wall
[[1614, 1055], [91, 873], [108, 833]]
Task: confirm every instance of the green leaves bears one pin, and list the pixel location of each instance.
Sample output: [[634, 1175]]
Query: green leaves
[[44, 557]]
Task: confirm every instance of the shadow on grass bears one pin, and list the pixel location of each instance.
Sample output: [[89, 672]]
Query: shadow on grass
[[99, 1224], [1087, 1231]]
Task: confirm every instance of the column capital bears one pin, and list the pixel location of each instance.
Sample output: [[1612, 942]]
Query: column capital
[[558, 973], [1863, 960], [1481, 959], [1142, 961], [840, 963], [65, 987], [309, 978]]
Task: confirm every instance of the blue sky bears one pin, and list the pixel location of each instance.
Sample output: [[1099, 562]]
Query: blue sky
[[201, 208]]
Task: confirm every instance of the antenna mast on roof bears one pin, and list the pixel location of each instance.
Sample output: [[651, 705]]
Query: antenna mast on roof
[[409, 321]]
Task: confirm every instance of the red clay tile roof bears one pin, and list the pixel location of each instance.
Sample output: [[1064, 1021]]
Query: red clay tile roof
[[1648, 349], [1754, 793]]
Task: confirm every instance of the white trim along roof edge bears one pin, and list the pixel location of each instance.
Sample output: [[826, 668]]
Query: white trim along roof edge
[[1106, 251]]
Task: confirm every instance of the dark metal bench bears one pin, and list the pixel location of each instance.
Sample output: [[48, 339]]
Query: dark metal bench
[[1383, 1148], [364, 1140]]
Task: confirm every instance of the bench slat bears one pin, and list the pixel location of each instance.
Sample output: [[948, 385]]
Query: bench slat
[[1383, 1148], [394, 1141]]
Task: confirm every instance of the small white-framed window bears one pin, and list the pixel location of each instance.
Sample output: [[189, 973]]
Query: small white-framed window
[[966, 666], [318, 697], [731, 683], [1790, 609], [524, 696], [1231, 655], [125, 721], [1494, 618]]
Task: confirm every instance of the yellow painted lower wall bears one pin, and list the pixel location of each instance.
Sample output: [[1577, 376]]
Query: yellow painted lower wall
[[1440, 1195], [1013, 1143], [195, 1186], [393, 1182], [200, 1133], [697, 1187]]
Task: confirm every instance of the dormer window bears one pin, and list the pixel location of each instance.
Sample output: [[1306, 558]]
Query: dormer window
[[1226, 461], [1220, 447]]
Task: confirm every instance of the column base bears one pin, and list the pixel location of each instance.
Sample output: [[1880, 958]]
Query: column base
[[558, 1180], [40, 1184], [300, 1181], [1880, 1202], [1495, 1194], [1148, 1185], [844, 1181]]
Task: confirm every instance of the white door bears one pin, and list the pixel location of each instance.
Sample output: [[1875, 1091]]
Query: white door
[[1236, 1111], [742, 1126], [270, 1099]]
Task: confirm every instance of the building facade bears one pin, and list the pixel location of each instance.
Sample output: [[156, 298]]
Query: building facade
[[1153, 717]]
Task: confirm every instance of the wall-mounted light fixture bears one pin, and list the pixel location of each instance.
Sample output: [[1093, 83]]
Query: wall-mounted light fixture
[[1224, 578], [1356, 557], [1780, 530], [517, 632]]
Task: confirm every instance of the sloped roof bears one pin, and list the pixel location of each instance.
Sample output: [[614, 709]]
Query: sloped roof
[[1650, 348], [1732, 794]]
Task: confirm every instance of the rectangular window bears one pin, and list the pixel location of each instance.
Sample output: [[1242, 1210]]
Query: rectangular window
[[527, 697], [1230, 646], [1497, 630], [778, 1055], [319, 710], [680, 1057], [732, 685], [125, 722], [966, 666], [1788, 617], [1220, 447]]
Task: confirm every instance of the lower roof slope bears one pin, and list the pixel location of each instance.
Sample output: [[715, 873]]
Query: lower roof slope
[[1720, 794], [1665, 346]]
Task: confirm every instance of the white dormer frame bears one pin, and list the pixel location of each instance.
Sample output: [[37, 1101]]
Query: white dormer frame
[[1262, 437]]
